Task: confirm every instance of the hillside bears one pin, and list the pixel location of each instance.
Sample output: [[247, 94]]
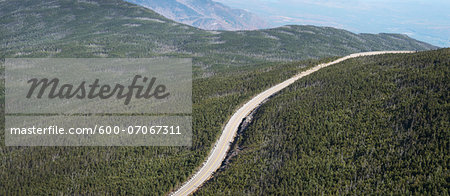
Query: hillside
[[204, 14], [371, 125], [113, 28], [137, 170]]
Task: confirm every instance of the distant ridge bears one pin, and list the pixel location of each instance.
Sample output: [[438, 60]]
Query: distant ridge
[[204, 14], [114, 28]]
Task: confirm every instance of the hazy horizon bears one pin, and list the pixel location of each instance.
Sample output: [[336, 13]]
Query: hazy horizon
[[427, 21]]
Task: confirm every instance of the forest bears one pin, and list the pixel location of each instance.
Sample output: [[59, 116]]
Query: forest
[[139, 170], [370, 125], [228, 68]]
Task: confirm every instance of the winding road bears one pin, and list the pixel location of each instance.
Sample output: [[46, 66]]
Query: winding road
[[219, 152]]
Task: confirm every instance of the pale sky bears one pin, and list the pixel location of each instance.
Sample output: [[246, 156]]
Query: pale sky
[[425, 20]]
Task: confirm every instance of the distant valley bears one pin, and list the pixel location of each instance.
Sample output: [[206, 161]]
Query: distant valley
[[205, 14], [113, 28]]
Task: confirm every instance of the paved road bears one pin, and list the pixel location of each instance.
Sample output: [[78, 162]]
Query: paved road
[[218, 153]]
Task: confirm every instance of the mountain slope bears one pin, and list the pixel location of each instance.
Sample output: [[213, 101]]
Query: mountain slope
[[112, 28], [204, 14], [370, 125]]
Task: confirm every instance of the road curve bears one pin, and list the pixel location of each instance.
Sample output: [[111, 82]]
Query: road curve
[[218, 153]]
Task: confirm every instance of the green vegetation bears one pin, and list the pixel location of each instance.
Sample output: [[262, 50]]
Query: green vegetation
[[112, 28], [371, 125], [229, 68], [137, 170]]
